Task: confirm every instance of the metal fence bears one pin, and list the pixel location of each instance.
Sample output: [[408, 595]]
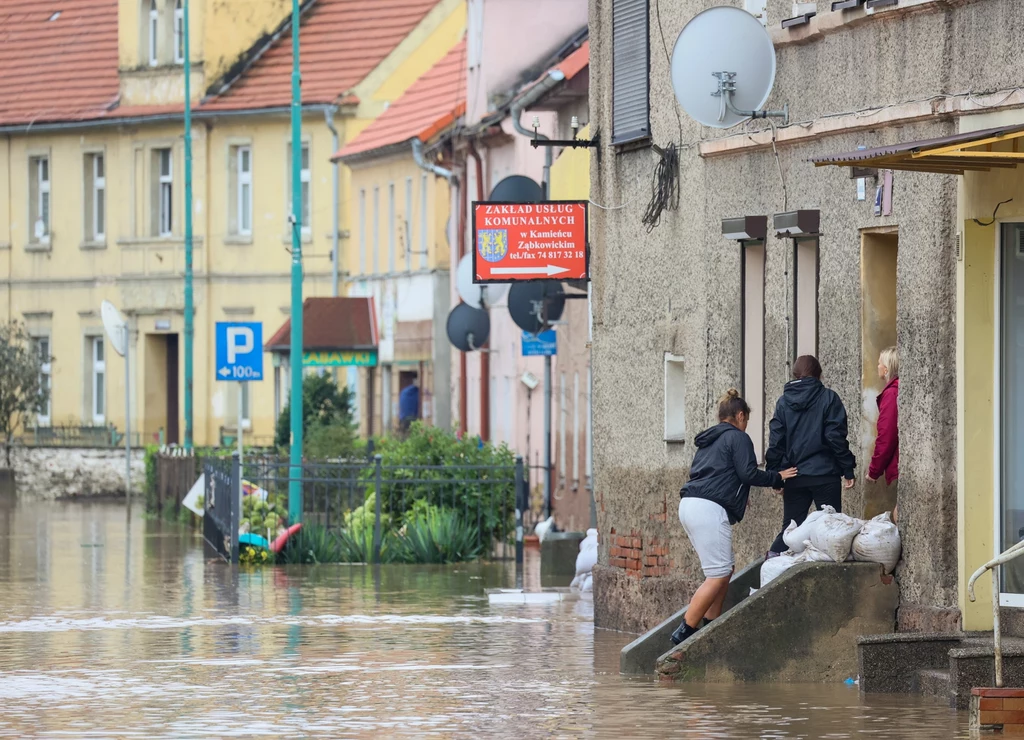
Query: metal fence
[[222, 502], [73, 434]]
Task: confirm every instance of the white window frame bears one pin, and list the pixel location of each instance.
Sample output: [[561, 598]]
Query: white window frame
[[305, 178], [424, 252], [376, 230], [392, 258], [179, 32], [243, 185], [165, 198], [98, 378], [154, 33], [42, 162], [99, 185], [675, 398], [362, 231], [46, 377]]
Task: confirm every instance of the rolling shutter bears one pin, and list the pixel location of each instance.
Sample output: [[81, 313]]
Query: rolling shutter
[[630, 71]]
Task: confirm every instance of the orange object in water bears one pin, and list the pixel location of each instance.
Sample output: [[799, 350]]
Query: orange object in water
[[278, 544]]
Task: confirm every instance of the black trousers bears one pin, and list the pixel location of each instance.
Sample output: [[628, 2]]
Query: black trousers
[[796, 504]]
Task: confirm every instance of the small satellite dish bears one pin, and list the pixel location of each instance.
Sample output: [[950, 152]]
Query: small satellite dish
[[526, 303], [477, 295], [723, 68], [468, 327], [114, 324], [517, 189]]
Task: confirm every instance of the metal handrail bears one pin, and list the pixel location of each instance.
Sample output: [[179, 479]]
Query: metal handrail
[[993, 565]]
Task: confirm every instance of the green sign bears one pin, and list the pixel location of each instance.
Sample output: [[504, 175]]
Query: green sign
[[340, 359]]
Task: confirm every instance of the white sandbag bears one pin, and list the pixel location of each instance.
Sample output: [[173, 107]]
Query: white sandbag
[[772, 568], [752, 591], [814, 555], [878, 542], [833, 534], [795, 536], [588, 584], [587, 558]]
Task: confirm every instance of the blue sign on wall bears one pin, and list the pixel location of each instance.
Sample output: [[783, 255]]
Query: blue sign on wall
[[239, 351], [544, 344]]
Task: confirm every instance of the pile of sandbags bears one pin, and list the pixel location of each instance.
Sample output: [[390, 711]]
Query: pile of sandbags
[[828, 536], [585, 562]]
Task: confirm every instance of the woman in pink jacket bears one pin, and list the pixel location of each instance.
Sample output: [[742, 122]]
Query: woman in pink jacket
[[886, 460]]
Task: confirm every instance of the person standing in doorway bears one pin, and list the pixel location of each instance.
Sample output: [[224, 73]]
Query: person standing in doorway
[[886, 460], [809, 432], [408, 406], [715, 498]]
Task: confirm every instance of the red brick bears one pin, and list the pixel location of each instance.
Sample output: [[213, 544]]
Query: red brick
[[662, 561], [1013, 729], [650, 560], [623, 541], [616, 552], [635, 565], [617, 562], [1002, 718], [994, 693], [1013, 705], [989, 705], [638, 543]]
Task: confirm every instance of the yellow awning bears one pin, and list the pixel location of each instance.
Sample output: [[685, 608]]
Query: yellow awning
[[994, 148]]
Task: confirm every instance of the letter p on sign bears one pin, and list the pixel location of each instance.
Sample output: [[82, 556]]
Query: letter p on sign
[[240, 342]]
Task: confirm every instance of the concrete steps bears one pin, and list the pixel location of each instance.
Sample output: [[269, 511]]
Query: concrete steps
[[933, 682]]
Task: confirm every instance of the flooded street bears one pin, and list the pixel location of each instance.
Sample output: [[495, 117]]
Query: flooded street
[[115, 626]]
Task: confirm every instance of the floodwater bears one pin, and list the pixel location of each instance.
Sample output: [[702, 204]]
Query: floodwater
[[115, 626]]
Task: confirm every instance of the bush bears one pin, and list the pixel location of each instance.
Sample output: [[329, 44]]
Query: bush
[[311, 545], [323, 404], [440, 536], [331, 442]]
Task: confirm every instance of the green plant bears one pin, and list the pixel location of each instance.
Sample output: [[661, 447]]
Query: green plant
[[22, 390], [331, 441], [250, 555], [323, 403], [151, 473], [310, 545], [439, 536]]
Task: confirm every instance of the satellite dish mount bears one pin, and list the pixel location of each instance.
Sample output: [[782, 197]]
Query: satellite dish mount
[[725, 91]]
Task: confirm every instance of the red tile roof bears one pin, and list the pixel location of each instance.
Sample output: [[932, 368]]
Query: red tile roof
[[58, 60], [431, 103], [341, 41], [331, 324], [575, 62]]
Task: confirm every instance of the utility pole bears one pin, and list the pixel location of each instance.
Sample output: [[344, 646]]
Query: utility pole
[[189, 309], [295, 473]]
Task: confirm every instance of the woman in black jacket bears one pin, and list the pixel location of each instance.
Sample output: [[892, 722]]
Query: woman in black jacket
[[714, 499], [809, 432]]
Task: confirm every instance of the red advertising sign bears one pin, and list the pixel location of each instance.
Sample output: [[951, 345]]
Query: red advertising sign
[[515, 242]]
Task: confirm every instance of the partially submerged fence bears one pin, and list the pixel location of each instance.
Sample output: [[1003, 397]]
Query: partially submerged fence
[[222, 499]]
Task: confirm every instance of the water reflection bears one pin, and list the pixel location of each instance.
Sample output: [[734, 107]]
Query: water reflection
[[115, 626]]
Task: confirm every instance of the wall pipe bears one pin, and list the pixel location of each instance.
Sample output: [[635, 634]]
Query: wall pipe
[[485, 355], [336, 202]]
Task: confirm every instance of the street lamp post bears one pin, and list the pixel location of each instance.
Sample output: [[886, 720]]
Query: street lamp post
[[295, 473], [189, 309]]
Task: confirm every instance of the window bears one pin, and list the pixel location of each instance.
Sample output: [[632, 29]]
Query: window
[[752, 339], [407, 233], [41, 346], [391, 228], [154, 33], [423, 222], [376, 230], [805, 308], [304, 180], [95, 198], [630, 71], [362, 232], [39, 199], [163, 193], [240, 195], [675, 398], [179, 33], [98, 385]]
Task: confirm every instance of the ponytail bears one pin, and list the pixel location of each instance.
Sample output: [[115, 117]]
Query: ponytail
[[731, 404]]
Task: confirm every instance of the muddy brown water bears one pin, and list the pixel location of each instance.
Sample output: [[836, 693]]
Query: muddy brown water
[[115, 626]]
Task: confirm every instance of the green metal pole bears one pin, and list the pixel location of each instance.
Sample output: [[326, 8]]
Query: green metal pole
[[189, 310], [295, 474]]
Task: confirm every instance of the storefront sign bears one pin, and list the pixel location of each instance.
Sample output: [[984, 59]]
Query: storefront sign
[[340, 359], [516, 242]]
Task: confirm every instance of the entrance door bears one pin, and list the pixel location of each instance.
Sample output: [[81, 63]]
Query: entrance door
[[1011, 406], [172, 389]]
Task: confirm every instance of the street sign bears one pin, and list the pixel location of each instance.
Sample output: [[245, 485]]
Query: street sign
[[516, 242], [367, 358], [239, 351], [544, 344]]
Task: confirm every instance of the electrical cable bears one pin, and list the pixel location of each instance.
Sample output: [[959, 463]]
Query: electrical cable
[[664, 189], [994, 213]]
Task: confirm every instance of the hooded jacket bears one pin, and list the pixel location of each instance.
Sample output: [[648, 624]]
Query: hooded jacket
[[725, 468], [808, 432], [887, 444]]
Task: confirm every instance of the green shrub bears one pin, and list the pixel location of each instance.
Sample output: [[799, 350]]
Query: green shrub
[[330, 441], [439, 536], [323, 404], [310, 545]]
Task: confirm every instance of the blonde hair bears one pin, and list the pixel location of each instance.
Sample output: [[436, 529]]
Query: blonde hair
[[731, 404], [890, 357]]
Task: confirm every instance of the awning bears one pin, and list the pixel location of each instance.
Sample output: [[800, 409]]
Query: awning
[[994, 148], [336, 332]]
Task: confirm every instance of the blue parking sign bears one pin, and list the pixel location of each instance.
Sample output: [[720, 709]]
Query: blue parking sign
[[544, 344], [239, 350]]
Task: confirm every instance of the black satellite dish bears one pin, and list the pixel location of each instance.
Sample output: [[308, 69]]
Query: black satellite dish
[[527, 302], [468, 327], [517, 189]]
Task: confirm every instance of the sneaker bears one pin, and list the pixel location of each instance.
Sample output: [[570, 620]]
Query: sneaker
[[706, 622], [682, 632]]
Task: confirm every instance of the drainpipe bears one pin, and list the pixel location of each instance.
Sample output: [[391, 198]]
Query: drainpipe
[[336, 145], [485, 354], [423, 164]]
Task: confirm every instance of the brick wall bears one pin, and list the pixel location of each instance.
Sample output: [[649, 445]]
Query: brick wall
[[638, 558]]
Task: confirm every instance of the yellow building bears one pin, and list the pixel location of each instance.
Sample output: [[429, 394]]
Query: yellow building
[[92, 185]]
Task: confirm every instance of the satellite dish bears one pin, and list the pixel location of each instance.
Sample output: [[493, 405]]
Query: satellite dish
[[526, 302], [723, 68], [114, 324], [468, 327], [517, 189], [476, 296]]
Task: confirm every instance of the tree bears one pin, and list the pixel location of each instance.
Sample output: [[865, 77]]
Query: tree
[[323, 404], [21, 380]]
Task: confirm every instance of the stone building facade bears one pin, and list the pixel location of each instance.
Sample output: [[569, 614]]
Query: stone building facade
[[673, 325]]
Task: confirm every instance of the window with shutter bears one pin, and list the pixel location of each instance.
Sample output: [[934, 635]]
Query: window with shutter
[[630, 71]]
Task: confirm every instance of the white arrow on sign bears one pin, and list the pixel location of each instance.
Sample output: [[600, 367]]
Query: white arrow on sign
[[549, 270], [224, 372]]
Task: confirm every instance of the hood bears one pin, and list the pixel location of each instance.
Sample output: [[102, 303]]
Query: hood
[[801, 394], [709, 436]]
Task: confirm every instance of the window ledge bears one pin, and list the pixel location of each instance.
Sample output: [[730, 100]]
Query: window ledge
[[5, 246], [238, 240], [307, 238], [87, 245], [150, 241], [39, 247], [675, 441], [632, 145]]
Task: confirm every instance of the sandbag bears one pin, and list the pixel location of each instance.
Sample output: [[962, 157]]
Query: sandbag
[[833, 534], [795, 536], [878, 542], [586, 559], [814, 555], [772, 568]]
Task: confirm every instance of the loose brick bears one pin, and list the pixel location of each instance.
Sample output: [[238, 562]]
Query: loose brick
[[990, 705], [1002, 718]]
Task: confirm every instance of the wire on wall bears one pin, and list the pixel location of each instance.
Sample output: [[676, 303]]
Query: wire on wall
[[664, 189], [994, 213]]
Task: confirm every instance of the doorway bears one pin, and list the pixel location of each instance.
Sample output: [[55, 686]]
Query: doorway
[[879, 250], [162, 380], [1010, 408], [172, 437]]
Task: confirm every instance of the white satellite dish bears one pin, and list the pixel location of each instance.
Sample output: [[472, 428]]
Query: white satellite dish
[[114, 325], [723, 68], [475, 295]]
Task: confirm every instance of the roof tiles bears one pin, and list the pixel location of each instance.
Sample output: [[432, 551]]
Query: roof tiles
[[331, 324], [432, 102]]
